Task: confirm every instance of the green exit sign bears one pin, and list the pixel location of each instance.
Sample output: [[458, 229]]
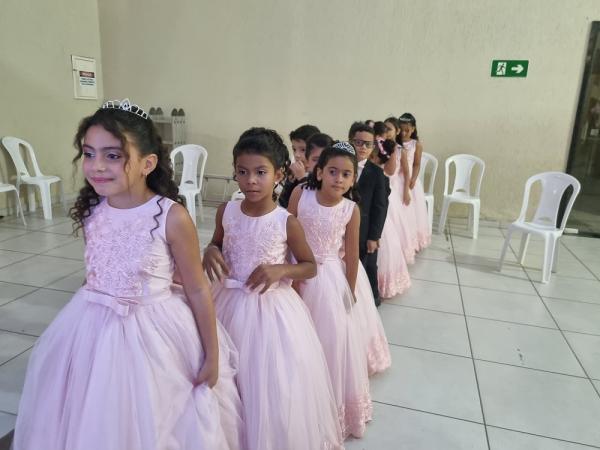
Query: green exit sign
[[505, 68]]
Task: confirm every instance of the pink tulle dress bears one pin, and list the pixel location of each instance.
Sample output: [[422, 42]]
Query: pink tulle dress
[[284, 384], [330, 301], [397, 245], [115, 370], [369, 323], [417, 204]]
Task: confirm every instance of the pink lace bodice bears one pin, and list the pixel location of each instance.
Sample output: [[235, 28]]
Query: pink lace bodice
[[325, 227], [409, 149], [122, 257], [252, 241]]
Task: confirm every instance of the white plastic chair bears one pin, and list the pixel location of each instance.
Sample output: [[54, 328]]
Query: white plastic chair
[[428, 159], [43, 182], [5, 187], [190, 185], [544, 220], [238, 195], [461, 191]]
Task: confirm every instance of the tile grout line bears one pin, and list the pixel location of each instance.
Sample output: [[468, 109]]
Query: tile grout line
[[17, 355], [446, 416], [580, 261], [487, 438], [562, 332], [535, 369], [542, 436], [395, 305]]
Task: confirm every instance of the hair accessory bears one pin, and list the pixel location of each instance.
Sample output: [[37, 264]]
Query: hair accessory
[[345, 146], [380, 146], [125, 105]]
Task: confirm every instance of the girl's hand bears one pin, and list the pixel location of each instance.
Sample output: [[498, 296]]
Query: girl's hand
[[266, 275], [298, 170], [214, 264], [406, 198], [209, 373], [412, 184]]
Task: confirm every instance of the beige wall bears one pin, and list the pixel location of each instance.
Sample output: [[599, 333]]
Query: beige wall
[[37, 39], [233, 64]]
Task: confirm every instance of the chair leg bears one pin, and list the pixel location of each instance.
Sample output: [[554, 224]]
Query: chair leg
[[430, 214], [443, 216], [46, 200], [523, 249], [190, 204], [31, 197], [504, 248], [200, 209], [550, 246], [20, 207], [63, 200], [470, 219], [475, 220], [555, 259]]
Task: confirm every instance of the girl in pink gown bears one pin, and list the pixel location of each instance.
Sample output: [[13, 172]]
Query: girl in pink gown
[[414, 149], [132, 361], [283, 380], [331, 222], [395, 246]]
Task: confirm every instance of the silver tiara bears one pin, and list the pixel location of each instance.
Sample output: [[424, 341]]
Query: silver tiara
[[405, 119], [345, 146], [125, 105]]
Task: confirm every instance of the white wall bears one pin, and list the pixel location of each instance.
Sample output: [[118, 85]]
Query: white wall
[[37, 39], [235, 64]]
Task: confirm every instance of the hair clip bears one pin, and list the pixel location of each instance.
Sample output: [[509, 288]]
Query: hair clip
[[344, 146], [405, 119], [125, 105]]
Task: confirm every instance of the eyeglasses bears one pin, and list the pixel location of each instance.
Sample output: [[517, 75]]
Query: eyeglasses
[[360, 143]]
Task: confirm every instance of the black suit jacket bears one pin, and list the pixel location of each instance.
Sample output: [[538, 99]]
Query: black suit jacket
[[374, 188]]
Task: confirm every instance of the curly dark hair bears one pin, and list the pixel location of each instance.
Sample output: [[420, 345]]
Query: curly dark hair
[[331, 152], [128, 128], [267, 143]]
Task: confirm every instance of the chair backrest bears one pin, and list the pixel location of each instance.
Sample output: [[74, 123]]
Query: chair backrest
[[427, 159], [464, 165], [193, 155], [12, 145], [554, 185]]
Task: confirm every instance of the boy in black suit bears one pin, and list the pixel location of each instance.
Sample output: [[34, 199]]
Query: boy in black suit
[[374, 189]]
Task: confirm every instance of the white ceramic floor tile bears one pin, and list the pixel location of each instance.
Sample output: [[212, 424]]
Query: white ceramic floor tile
[[420, 328], [70, 283], [7, 423], [10, 233], [8, 257], [570, 289], [429, 381], [61, 228], [399, 428], [511, 440], [12, 377], [507, 306], [430, 295], [575, 316], [11, 344], [491, 243], [432, 270], [73, 250], [485, 257], [32, 313], [587, 349], [10, 291], [39, 270], [436, 253], [509, 280], [522, 345], [36, 242], [546, 404]]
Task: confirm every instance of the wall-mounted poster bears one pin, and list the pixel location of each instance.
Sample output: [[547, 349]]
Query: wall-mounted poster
[[85, 77]]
